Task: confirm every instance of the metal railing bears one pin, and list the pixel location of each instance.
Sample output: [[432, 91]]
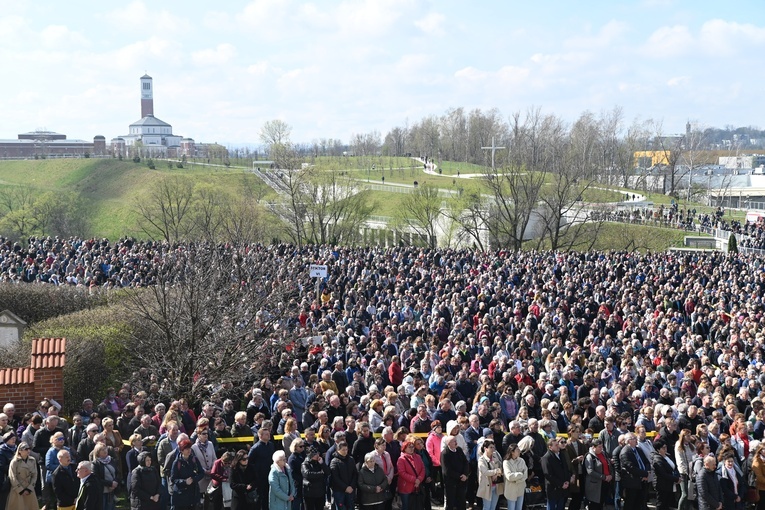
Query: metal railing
[[445, 193]]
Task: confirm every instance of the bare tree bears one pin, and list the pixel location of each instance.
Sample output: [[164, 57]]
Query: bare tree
[[16, 218], [167, 213], [574, 155], [58, 213], [421, 211], [289, 177], [275, 132], [482, 128], [695, 157], [245, 221], [336, 208], [515, 186], [209, 201], [470, 213], [13, 198], [454, 135], [210, 315]]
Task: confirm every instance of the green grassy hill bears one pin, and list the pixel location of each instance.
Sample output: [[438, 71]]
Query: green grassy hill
[[111, 188]]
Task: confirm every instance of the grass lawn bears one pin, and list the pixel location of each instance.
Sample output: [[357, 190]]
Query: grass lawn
[[621, 236], [362, 162], [601, 196], [111, 188], [386, 204], [406, 177], [452, 167]]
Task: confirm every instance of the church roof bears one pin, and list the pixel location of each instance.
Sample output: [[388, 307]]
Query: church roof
[[146, 76], [150, 120]]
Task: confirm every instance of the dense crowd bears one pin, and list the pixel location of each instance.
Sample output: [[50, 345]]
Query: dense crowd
[[129, 263], [565, 379]]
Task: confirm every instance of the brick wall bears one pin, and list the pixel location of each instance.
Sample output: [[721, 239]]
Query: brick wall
[[27, 387], [49, 383], [22, 396]]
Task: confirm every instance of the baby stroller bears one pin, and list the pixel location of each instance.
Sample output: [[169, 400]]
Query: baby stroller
[[535, 496]]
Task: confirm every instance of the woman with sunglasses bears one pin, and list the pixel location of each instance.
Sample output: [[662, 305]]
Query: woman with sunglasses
[[204, 451], [295, 462], [23, 475], [242, 483], [57, 443]]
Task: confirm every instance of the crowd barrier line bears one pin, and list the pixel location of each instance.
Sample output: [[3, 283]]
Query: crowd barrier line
[[251, 439]]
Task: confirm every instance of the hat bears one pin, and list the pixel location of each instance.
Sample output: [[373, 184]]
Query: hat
[[186, 443], [434, 424], [7, 436], [312, 452]]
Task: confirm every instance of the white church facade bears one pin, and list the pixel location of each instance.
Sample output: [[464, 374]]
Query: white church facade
[[154, 137]]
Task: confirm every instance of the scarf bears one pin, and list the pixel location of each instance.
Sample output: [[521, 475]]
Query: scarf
[[105, 460]]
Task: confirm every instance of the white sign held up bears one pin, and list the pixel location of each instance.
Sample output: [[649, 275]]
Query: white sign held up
[[318, 271]]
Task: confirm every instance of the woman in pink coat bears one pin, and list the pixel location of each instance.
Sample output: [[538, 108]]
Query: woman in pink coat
[[411, 474]]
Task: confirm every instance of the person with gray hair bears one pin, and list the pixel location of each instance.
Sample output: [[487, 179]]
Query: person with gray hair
[[709, 492], [339, 437], [282, 490], [456, 469], [65, 485], [91, 491], [374, 488]]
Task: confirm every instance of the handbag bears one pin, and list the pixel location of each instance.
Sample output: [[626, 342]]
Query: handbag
[[691, 487], [212, 489], [252, 496], [752, 495], [227, 492]]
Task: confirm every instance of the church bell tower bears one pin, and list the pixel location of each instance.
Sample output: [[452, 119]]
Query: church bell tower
[[147, 96]]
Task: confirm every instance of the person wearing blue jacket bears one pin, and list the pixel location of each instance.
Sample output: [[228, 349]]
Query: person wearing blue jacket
[[185, 474], [282, 490]]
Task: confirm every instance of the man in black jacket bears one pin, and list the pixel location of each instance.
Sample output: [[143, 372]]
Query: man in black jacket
[[91, 493], [558, 477], [258, 463], [514, 435], [65, 484], [710, 494], [455, 468], [617, 471], [633, 469], [344, 478], [364, 444]]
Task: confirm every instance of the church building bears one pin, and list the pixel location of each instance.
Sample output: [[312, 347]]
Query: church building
[[150, 135]]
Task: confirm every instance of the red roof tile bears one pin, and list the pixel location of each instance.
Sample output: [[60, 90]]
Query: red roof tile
[[10, 376], [48, 352]]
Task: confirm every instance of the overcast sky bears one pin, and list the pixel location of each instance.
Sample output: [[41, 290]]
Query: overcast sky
[[331, 69]]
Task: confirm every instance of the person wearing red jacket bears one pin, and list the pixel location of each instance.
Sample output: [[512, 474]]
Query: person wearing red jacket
[[411, 474], [395, 374]]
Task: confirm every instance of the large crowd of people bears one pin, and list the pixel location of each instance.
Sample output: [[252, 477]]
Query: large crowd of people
[[446, 377]]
